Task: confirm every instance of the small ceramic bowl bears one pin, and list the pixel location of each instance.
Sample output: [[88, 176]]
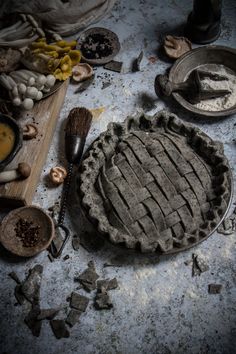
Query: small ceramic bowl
[[39, 218], [18, 139], [109, 36]]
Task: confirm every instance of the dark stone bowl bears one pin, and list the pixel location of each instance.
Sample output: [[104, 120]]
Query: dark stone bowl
[[18, 139], [194, 59]]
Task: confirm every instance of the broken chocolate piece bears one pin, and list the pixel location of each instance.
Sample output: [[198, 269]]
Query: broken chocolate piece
[[48, 314], [18, 295], [114, 66], [66, 257], [75, 242], [88, 277], [31, 286], [137, 62], [107, 284], [59, 329], [73, 317], [84, 85], [15, 277], [199, 265], [79, 302], [214, 288], [228, 225], [102, 300], [32, 322]]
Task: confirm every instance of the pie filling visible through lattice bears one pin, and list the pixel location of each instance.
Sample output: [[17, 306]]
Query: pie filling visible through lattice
[[155, 183]]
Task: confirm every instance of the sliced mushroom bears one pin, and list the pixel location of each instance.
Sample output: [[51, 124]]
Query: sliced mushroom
[[81, 72], [176, 46], [21, 172], [58, 174], [30, 131]]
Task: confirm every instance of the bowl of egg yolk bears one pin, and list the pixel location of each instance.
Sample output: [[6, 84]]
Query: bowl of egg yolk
[[10, 140]]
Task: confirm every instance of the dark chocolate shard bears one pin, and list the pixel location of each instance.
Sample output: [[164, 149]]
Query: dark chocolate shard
[[75, 242], [48, 314], [78, 302], [32, 322], [59, 329], [228, 225], [102, 300], [15, 277], [18, 295], [88, 277], [137, 62], [73, 317], [114, 66], [85, 84], [199, 265], [107, 284], [214, 288], [31, 286]]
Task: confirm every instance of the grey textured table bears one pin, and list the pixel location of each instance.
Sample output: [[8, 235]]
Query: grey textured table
[[159, 307]]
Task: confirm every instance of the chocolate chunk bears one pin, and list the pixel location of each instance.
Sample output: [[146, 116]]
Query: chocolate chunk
[[32, 321], [199, 265], [214, 288], [48, 314], [88, 278], [114, 66], [137, 62], [102, 300], [66, 257], [59, 329], [107, 284], [75, 242], [18, 295], [15, 277], [85, 84], [73, 317], [79, 302], [31, 286]]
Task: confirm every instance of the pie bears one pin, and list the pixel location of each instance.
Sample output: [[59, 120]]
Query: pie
[[155, 184]]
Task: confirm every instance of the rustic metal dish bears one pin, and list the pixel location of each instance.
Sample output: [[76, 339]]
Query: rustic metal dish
[[155, 184], [18, 139], [14, 244], [196, 59], [110, 36]]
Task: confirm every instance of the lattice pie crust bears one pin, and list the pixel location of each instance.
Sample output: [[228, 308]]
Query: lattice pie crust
[[155, 183]]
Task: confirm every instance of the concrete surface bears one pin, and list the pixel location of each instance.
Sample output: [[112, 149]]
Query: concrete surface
[[159, 308]]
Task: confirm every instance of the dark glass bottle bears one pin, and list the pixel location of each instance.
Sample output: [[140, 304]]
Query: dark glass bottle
[[203, 24]]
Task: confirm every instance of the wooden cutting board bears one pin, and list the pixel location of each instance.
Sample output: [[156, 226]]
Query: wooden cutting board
[[44, 115]]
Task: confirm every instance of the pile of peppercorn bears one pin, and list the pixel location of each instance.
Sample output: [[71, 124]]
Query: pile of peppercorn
[[27, 232]]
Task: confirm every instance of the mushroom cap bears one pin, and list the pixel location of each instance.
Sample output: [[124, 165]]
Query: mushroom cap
[[24, 169], [81, 72], [176, 46], [30, 131], [58, 174]]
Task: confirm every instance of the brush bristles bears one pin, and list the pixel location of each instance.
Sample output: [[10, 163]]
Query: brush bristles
[[79, 122]]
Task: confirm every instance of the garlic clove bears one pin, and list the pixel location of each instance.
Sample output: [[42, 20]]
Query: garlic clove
[[81, 72]]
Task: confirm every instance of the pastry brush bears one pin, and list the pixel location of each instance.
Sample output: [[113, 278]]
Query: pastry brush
[[76, 131]]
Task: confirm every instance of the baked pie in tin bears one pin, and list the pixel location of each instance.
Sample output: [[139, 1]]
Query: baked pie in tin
[[155, 184]]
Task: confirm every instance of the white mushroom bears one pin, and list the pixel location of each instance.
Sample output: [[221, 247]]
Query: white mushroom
[[58, 174], [21, 172], [28, 103]]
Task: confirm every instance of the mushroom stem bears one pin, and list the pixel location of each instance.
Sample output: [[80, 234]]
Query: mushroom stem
[[22, 171]]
